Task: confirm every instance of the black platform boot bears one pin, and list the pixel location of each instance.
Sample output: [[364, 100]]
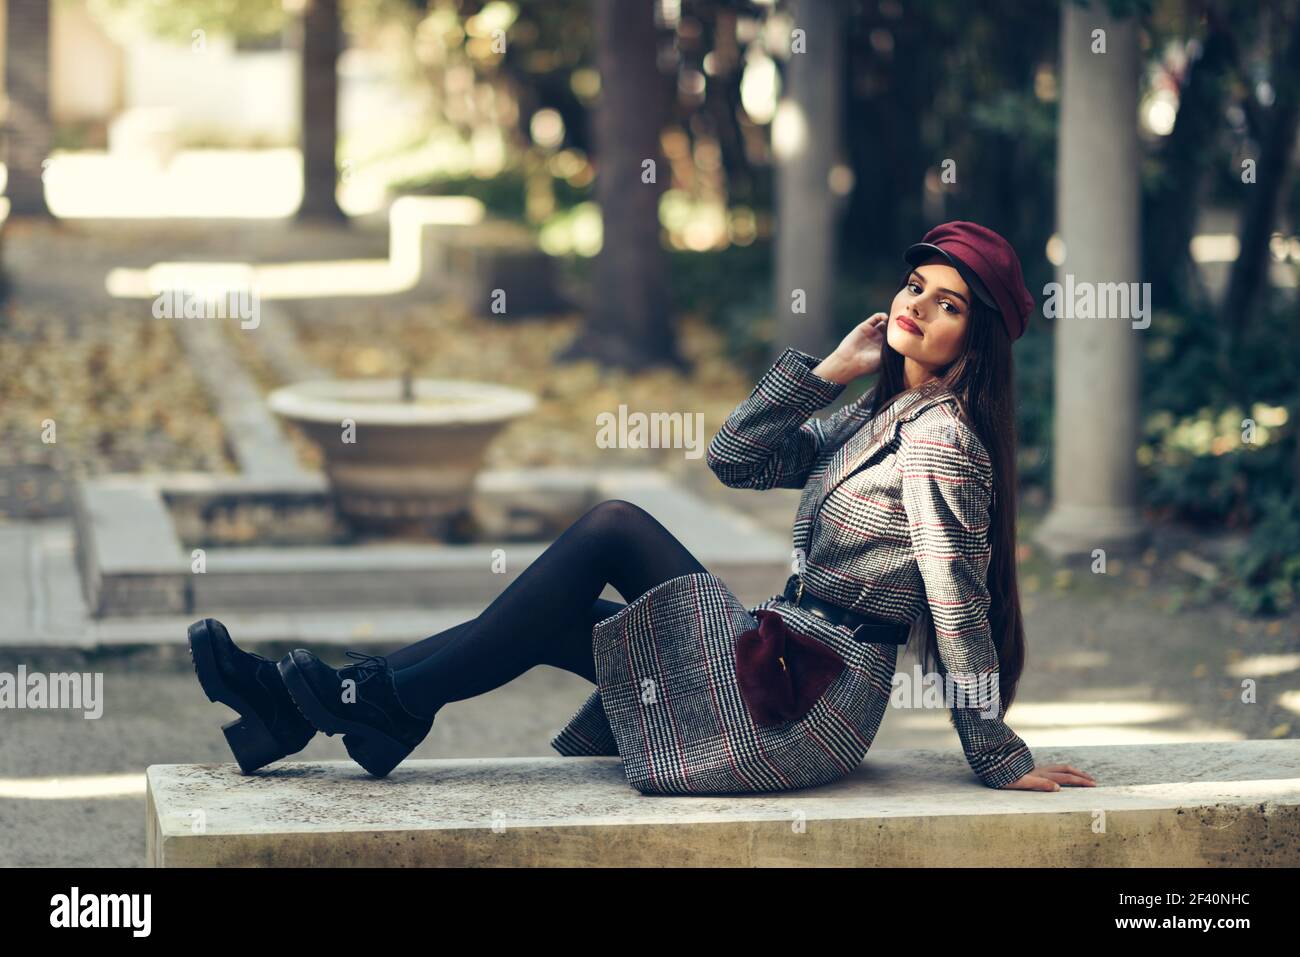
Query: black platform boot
[[269, 726], [377, 730]]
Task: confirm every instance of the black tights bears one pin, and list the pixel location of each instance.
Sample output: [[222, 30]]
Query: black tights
[[546, 615]]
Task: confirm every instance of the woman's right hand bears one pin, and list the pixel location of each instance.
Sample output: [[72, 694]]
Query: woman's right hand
[[859, 353], [1050, 777]]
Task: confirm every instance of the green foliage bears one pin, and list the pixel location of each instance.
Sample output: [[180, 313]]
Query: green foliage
[[1266, 574], [1217, 480], [1020, 114], [178, 19], [1033, 356], [731, 289], [1200, 471], [504, 195], [1120, 8], [1185, 368], [1225, 489]]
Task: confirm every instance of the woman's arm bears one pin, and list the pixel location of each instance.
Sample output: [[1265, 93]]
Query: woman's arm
[[771, 440], [947, 487]]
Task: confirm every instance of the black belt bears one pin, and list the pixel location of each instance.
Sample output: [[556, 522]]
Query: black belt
[[865, 628]]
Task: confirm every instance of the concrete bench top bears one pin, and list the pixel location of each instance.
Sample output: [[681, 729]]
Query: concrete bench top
[[1171, 805]]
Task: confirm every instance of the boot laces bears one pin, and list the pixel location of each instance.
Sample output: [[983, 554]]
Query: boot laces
[[368, 665]]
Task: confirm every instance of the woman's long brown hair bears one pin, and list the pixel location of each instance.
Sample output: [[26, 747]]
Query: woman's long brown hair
[[982, 378]]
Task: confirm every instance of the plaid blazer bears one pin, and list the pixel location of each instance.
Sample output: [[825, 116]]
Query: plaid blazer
[[893, 519]]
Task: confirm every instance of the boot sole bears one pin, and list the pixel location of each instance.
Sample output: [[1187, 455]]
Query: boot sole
[[368, 746], [250, 740]]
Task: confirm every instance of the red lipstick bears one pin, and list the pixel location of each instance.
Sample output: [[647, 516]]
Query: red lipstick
[[905, 323]]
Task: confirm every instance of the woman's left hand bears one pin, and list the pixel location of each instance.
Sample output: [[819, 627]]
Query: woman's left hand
[[859, 353], [1050, 777]]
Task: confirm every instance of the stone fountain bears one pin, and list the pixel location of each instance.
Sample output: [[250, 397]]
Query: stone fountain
[[401, 453]]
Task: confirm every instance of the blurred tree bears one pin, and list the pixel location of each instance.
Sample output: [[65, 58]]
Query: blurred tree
[[1273, 170], [320, 37], [887, 101], [320, 33], [549, 43], [628, 324], [970, 136], [718, 57], [28, 131], [1184, 159]]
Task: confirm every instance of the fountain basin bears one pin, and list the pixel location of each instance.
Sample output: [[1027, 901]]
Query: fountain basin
[[396, 464]]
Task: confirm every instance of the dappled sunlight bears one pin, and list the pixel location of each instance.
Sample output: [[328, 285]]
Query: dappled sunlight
[[1068, 724], [76, 786], [410, 215], [1107, 734], [195, 184], [217, 184], [1078, 659], [1210, 431], [1206, 792], [1222, 249], [1215, 248], [578, 231], [1034, 714], [1264, 666], [304, 280]]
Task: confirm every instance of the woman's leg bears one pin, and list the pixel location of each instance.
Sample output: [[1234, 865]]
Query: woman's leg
[[545, 615], [411, 654], [572, 651]]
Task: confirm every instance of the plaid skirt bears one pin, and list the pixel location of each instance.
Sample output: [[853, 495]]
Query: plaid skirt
[[668, 701]]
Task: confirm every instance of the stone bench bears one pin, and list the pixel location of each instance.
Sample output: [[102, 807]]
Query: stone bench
[[1171, 805]]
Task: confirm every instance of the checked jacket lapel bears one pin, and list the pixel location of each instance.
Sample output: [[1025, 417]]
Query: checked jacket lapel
[[855, 450]]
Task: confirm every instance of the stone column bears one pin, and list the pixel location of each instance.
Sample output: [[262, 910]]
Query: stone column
[[1098, 360], [805, 141]]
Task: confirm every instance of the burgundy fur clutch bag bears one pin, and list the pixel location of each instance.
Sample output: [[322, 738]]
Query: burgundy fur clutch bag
[[781, 672]]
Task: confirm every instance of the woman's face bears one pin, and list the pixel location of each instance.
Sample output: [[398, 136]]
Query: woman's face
[[936, 302]]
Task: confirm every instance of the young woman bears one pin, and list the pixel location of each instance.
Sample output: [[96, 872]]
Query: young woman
[[906, 526]]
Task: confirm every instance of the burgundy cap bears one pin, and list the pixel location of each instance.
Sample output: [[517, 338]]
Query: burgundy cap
[[988, 264]]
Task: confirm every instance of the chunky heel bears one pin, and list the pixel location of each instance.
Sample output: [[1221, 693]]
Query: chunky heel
[[269, 726], [376, 754], [252, 743]]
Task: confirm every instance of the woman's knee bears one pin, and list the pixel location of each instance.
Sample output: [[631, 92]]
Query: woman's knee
[[615, 515]]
